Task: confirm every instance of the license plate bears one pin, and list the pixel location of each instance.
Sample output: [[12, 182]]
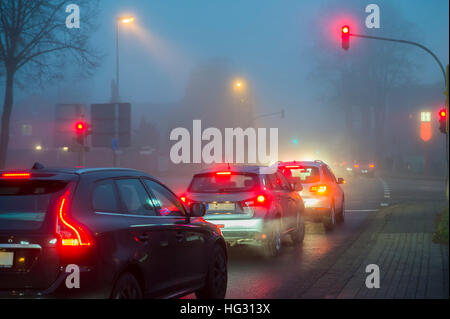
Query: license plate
[[221, 206], [6, 259]]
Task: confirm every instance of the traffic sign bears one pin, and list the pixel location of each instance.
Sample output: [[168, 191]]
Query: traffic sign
[[109, 122]]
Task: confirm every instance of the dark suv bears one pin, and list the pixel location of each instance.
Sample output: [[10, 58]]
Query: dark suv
[[104, 233], [253, 205]]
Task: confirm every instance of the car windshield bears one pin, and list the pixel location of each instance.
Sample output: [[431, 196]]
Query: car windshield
[[307, 174], [224, 183], [24, 204]]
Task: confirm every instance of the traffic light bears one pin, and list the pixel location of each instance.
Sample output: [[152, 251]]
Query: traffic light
[[345, 37], [443, 121], [81, 130]]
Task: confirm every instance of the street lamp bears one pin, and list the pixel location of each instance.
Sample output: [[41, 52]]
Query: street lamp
[[239, 85], [120, 20]]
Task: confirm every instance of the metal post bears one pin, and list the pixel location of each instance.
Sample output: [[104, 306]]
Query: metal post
[[115, 155], [406, 42], [117, 60]]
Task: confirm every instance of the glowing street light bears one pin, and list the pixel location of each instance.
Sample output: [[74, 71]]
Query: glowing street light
[[239, 85], [126, 20], [38, 148]]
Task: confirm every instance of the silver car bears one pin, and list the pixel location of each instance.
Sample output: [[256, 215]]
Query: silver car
[[250, 207]]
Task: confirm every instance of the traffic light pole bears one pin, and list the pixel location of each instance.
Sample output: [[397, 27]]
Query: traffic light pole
[[81, 153], [405, 42], [281, 113]]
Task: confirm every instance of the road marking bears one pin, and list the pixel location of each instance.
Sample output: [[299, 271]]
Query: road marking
[[387, 192]]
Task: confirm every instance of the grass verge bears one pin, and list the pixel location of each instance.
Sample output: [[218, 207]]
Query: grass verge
[[441, 234]]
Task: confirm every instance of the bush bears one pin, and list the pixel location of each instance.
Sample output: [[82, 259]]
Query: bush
[[441, 235]]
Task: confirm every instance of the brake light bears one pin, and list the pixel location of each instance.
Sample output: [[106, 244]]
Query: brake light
[[186, 200], [16, 175], [293, 166], [356, 166], [71, 233], [372, 166], [223, 173], [260, 200], [319, 189]]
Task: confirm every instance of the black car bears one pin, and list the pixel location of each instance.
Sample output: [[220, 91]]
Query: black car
[[122, 231]]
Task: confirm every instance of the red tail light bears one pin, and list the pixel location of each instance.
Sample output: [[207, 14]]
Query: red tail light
[[16, 175], [70, 232], [260, 200], [319, 189], [186, 200]]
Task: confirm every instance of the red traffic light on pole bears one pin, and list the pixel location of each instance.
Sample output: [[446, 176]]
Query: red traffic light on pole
[[443, 121], [345, 37], [80, 127], [81, 131]]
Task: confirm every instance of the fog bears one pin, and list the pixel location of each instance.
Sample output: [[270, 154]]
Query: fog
[[230, 63]]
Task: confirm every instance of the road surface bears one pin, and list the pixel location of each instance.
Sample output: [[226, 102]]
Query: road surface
[[389, 222]]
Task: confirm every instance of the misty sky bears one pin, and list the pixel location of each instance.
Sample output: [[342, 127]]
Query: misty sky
[[266, 40], [269, 42]]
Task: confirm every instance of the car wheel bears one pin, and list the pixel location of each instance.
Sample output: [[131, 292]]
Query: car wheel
[[126, 287], [272, 246], [298, 235], [341, 216], [330, 220], [216, 278]]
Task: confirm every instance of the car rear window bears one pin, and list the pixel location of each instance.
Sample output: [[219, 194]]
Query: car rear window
[[215, 183], [307, 174], [24, 204]]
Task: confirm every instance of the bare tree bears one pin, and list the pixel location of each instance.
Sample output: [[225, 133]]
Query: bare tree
[[360, 80], [34, 41]]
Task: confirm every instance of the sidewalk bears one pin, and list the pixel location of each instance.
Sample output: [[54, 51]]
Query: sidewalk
[[399, 241]]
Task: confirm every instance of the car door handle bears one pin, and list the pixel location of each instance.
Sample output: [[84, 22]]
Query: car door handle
[[179, 237]]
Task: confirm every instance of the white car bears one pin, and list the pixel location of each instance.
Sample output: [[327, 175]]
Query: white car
[[322, 194]]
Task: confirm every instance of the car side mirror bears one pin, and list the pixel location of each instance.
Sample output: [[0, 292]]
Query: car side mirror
[[341, 181], [197, 210]]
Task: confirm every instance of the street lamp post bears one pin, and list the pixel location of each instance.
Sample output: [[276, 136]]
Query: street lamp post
[[116, 95], [123, 20]]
